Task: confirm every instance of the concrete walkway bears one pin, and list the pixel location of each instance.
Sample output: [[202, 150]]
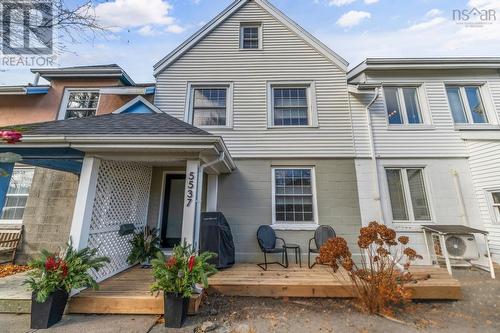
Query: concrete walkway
[[14, 296]]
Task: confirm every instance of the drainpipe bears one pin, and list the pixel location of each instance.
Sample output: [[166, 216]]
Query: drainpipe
[[36, 79], [458, 188], [199, 189], [375, 182]]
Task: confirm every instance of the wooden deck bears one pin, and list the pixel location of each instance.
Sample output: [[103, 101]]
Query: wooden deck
[[128, 292]]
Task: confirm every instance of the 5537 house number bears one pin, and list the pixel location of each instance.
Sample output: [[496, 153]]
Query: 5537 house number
[[190, 187]]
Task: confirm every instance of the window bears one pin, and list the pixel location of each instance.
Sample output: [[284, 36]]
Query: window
[[293, 196], [466, 105], [496, 205], [402, 105], [250, 36], [209, 106], [80, 104], [291, 105], [407, 194], [17, 194]]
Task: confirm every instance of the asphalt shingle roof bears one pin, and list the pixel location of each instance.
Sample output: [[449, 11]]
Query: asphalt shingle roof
[[115, 124]]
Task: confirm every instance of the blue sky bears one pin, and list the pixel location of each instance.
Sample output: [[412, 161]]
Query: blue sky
[[146, 30]]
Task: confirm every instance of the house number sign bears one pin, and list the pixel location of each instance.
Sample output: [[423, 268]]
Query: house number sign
[[190, 188]]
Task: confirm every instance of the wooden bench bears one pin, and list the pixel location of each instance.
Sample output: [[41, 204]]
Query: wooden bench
[[9, 240]]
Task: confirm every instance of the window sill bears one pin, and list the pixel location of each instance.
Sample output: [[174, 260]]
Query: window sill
[[307, 227], [288, 127], [418, 127], [476, 127], [215, 127], [411, 226]]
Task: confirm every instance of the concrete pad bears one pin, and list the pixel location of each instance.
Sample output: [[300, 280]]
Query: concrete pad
[[14, 296]]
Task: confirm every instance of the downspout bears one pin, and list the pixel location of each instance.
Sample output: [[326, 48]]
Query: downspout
[[199, 189], [458, 188], [375, 181]]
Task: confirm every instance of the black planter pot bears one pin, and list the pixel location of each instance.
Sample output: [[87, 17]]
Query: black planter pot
[[176, 309], [48, 313]]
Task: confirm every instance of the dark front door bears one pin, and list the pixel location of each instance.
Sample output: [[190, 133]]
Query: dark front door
[[173, 207]]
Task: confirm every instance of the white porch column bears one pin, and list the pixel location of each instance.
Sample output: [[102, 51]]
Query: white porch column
[[190, 196], [84, 204], [212, 191]]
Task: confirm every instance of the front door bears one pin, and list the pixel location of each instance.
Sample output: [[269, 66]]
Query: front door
[[173, 205]]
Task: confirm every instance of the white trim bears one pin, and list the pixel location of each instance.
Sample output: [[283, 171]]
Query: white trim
[[257, 25], [486, 100], [312, 111], [493, 208], [162, 194], [291, 226], [212, 192], [422, 104], [64, 102], [126, 90], [188, 104], [138, 99], [228, 12], [84, 203], [190, 197]]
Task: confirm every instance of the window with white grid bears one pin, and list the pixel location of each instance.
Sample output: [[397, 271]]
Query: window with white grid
[[293, 195], [17, 195], [80, 103], [496, 204], [209, 106], [290, 106], [250, 36]]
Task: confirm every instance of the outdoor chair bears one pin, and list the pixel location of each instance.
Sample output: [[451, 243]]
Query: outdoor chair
[[9, 240], [321, 235], [267, 243]]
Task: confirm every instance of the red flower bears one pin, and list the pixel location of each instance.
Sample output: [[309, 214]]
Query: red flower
[[10, 136], [51, 264], [191, 263], [64, 268], [171, 262]]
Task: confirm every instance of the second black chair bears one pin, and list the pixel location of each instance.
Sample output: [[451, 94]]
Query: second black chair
[[321, 235], [267, 243]]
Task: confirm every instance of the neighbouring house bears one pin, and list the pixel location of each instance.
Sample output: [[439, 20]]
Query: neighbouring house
[[254, 117], [427, 136]]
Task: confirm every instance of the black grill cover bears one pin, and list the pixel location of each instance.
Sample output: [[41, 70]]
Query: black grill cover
[[215, 236]]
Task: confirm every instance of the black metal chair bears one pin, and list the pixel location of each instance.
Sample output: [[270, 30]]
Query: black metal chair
[[267, 243], [321, 235]]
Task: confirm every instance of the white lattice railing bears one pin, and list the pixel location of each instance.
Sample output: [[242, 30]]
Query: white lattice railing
[[122, 196]]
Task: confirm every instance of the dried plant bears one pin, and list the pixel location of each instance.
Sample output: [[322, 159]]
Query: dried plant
[[378, 282]]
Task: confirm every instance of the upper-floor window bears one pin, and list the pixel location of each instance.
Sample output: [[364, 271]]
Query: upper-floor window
[[17, 194], [79, 104], [403, 105], [408, 195], [293, 195], [291, 104], [496, 205], [466, 104], [250, 36], [209, 106]]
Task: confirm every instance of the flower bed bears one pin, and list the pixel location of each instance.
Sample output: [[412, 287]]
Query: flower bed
[[9, 269]]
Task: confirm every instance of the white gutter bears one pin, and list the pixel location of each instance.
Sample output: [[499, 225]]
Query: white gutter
[[199, 194], [375, 180]]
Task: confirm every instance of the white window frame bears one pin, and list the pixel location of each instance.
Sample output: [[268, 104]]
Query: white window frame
[[485, 96], [17, 222], [189, 103], [312, 112], [407, 194], [64, 102], [257, 25], [422, 104], [494, 208], [295, 226]]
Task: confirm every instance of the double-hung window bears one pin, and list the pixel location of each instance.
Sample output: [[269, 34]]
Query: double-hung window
[[466, 104], [17, 195], [403, 106], [408, 194], [250, 36], [291, 105], [496, 205], [209, 106], [80, 103], [293, 196]]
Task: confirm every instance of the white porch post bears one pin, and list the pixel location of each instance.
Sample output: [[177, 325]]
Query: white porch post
[[212, 191], [190, 196], [84, 204]]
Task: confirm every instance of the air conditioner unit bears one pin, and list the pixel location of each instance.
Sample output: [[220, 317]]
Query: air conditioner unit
[[459, 247]]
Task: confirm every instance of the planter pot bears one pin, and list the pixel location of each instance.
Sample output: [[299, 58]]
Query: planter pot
[[48, 313], [146, 263], [176, 309]]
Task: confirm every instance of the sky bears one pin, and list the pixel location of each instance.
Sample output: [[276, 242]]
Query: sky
[[144, 31]]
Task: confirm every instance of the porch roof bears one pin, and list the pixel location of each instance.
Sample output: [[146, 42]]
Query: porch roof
[[144, 137]]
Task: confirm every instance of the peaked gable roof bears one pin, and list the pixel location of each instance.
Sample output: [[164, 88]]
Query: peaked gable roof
[[228, 12], [138, 105]]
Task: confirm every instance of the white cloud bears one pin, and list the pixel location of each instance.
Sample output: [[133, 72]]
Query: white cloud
[[352, 18], [339, 3], [175, 28], [121, 14], [147, 30], [427, 24], [434, 12], [370, 2]]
